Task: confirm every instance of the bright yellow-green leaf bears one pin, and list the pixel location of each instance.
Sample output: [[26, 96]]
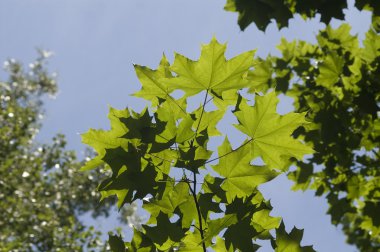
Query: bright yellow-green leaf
[[241, 178], [211, 72], [228, 98], [191, 243], [371, 46], [270, 132], [208, 121], [101, 140], [185, 132], [152, 87], [264, 220], [260, 76], [330, 70], [220, 246], [173, 197], [92, 164], [338, 38]]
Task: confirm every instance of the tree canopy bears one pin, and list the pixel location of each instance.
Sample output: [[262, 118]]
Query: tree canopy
[[336, 82], [42, 191], [262, 12]]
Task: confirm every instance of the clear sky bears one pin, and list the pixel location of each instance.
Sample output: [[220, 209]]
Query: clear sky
[[95, 44]]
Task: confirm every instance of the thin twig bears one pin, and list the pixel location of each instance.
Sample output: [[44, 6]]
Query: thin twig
[[194, 193], [203, 110], [194, 189]]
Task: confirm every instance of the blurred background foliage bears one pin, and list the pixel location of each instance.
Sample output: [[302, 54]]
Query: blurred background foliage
[[42, 192]]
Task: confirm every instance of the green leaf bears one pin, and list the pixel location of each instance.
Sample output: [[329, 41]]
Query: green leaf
[[330, 70], [241, 178], [212, 72], [240, 236], [191, 243], [271, 133], [220, 246], [140, 243], [213, 185], [261, 76], [208, 121], [228, 98], [260, 12], [290, 242], [336, 39], [132, 176], [92, 164], [152, 87], [173, 197], [264, 220], [116, 243], [185, 131], [192, 155], [172, 232], [371, 48], [214, 227], [188, 213], [206, 205], [101, 140]]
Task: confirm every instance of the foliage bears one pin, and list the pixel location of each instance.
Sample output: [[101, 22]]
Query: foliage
[[261, 12], [41, 192], [196, 198], [336, 82]]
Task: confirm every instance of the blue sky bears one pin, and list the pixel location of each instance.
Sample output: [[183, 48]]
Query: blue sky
[[95, 44]]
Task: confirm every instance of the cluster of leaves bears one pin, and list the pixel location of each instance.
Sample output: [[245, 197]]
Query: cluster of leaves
[[261, 12], [337, 82], [198, 199], [41, 192]]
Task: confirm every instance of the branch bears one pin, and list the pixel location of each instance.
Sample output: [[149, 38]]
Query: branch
[[194, 193], [203, 110], [194, 189]]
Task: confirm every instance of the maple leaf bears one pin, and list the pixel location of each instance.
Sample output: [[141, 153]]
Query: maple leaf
[[264, 220], [151, 86], [260, 12], [211, 72], [164, 240], [290, 242], [271, 133], [241, 178], [216, 226], [330, 70], [153, 89], [208, 121], [116, 243], [172, 198]]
